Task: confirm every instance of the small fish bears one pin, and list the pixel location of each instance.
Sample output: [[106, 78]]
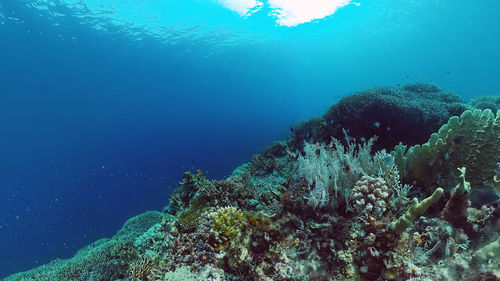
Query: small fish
[[199, 171], [183, 167], [388, 160], [446, 156], [497, 170], [363, 139], [458, 140], [292, 130], [377, 124], [388, 129], [348, 138]]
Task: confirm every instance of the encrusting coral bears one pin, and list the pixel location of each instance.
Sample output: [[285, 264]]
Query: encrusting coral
[[325, 206]]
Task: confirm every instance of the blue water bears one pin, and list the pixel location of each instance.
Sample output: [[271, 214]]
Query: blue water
[[104, 104]]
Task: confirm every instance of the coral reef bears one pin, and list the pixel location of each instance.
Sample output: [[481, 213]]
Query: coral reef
[[416, 209], [408, 114], [455, 210], [105, 259], [189, 186], [327, 206], [471, 141], [226, 226], [371, 196], [332, 168], [486, 102]]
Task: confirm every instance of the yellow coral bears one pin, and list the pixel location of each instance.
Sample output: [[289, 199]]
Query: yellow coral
[[416, 210], [226, 224]]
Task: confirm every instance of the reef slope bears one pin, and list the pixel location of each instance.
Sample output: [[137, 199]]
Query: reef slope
[[379, 188]]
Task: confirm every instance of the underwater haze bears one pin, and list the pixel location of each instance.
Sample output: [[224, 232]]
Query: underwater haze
[[105, 104]]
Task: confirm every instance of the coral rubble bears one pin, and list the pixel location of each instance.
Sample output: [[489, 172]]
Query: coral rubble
[[331, 203]]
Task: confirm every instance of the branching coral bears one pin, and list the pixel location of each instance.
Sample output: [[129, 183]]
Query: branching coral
[[226, 224], [139, 269], [416, 210]]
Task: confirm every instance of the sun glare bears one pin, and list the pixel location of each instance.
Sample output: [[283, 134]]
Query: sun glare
[[289, 12]]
